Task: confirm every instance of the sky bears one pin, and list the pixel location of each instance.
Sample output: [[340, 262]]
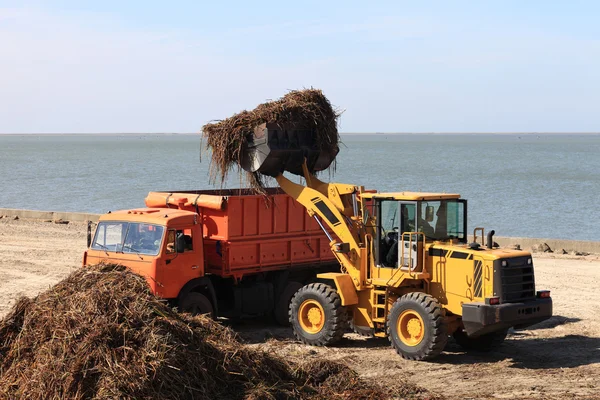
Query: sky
[[393, 66]]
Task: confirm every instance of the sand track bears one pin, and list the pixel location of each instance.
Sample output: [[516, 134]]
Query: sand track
[[559, 358]]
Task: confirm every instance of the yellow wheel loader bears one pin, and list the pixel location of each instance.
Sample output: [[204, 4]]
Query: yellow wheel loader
[[408, 270]]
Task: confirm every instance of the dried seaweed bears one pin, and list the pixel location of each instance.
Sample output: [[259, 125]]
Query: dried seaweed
[[100, 333], [308, 108]]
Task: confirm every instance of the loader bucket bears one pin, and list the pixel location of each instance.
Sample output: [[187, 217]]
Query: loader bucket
[[272, 149]]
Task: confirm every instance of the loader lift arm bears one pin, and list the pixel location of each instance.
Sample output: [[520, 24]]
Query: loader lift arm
[[327, 201]]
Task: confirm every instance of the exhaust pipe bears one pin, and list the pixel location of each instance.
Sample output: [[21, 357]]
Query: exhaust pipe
[[490, 239]]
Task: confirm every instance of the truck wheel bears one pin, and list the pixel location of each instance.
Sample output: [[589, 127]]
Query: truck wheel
[[416, 327], [196, 303], [282, 308], [488, 342], [317, 316]]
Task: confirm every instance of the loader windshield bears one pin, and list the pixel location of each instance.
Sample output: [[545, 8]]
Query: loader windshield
[[128, 237], [448, 222]]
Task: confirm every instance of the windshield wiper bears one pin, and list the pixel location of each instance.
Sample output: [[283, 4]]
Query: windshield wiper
[[132, 249], [101, 246]]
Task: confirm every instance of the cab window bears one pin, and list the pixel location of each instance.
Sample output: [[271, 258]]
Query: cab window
[[185, 234], [388, 223], [143, 239], [128, 237], [188, 238], [446, 220], [171, 241], [109, 236]]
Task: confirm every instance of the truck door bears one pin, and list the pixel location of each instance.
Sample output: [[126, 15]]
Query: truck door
[[180, 267]]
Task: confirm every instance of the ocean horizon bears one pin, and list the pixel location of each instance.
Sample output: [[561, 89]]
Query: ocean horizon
[[521, 185]]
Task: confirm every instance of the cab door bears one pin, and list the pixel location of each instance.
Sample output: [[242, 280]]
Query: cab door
[[394, 249], [179, 266], [388, 225], [408, 251]]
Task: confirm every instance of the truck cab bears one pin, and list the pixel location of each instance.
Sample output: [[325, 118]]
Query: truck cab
[[163, 245]]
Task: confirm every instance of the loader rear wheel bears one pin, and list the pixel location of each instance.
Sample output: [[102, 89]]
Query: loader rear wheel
[[484, 343], [196, 303], [317, 316], [416, 327], [282, 308]]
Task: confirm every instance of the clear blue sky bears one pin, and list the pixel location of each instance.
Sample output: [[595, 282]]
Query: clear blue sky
[[397, 66]]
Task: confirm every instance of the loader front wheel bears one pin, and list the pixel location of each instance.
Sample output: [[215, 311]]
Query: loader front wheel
[[484, 343], [317, 316], [416, 327]]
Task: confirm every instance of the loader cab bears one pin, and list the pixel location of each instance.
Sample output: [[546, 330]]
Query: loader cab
[[406, 221]]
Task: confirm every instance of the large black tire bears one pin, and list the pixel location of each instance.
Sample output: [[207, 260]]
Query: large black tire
[[282, 307], [317, 316], [484, 343], [196, 303], [416, 327]]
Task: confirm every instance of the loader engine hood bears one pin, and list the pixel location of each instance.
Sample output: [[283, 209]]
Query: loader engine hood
[[513, 275], [465, 252]]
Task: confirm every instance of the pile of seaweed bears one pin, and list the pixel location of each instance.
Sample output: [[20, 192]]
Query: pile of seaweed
[[308, 108], [100, 333]]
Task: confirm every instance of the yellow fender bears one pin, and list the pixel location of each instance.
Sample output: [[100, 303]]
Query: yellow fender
[[344, 285]]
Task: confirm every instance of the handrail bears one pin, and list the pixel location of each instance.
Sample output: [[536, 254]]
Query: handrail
[[475, 234], [412, 268]]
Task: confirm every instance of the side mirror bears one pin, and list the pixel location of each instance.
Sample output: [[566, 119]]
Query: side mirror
[[429, 213], [89, 234], [180, 243]]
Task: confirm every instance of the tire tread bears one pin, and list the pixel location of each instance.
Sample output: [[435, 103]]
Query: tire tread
[[331, 300], [434, 316]]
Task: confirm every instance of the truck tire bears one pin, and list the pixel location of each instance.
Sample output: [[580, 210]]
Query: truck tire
[[282, 308], [196, 303], [484, 343], [317, 316], [416, 327]]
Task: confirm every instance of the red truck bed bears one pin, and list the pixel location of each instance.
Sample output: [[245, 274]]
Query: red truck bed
[[251, 233]]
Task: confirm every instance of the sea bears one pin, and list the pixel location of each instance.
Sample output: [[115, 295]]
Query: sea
[[520, 185]]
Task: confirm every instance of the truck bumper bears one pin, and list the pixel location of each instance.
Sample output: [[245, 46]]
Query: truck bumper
[[479, 318]]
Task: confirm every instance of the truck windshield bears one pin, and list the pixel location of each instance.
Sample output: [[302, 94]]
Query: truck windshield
[[128, 237], [448, 220]]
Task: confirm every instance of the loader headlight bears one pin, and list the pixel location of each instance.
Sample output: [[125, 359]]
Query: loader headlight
[[504, 263], [529, 261]]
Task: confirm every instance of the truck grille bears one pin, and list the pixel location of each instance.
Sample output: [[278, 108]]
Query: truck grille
[[517, 280]]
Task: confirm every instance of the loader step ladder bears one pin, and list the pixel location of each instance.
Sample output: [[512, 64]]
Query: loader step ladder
[[379, 311]]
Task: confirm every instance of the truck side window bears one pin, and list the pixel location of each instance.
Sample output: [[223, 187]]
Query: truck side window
[[189, 242], [170, 241]]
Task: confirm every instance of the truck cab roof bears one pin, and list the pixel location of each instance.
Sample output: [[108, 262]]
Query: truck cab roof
[[158, 216], [411, 196]]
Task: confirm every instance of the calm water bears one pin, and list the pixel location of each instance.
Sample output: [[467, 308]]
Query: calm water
[[519, 185]]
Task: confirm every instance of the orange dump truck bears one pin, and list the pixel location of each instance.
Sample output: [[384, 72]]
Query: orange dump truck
[[229, 253]]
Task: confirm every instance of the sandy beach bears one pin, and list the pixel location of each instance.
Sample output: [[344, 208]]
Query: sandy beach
[[559, 358]]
